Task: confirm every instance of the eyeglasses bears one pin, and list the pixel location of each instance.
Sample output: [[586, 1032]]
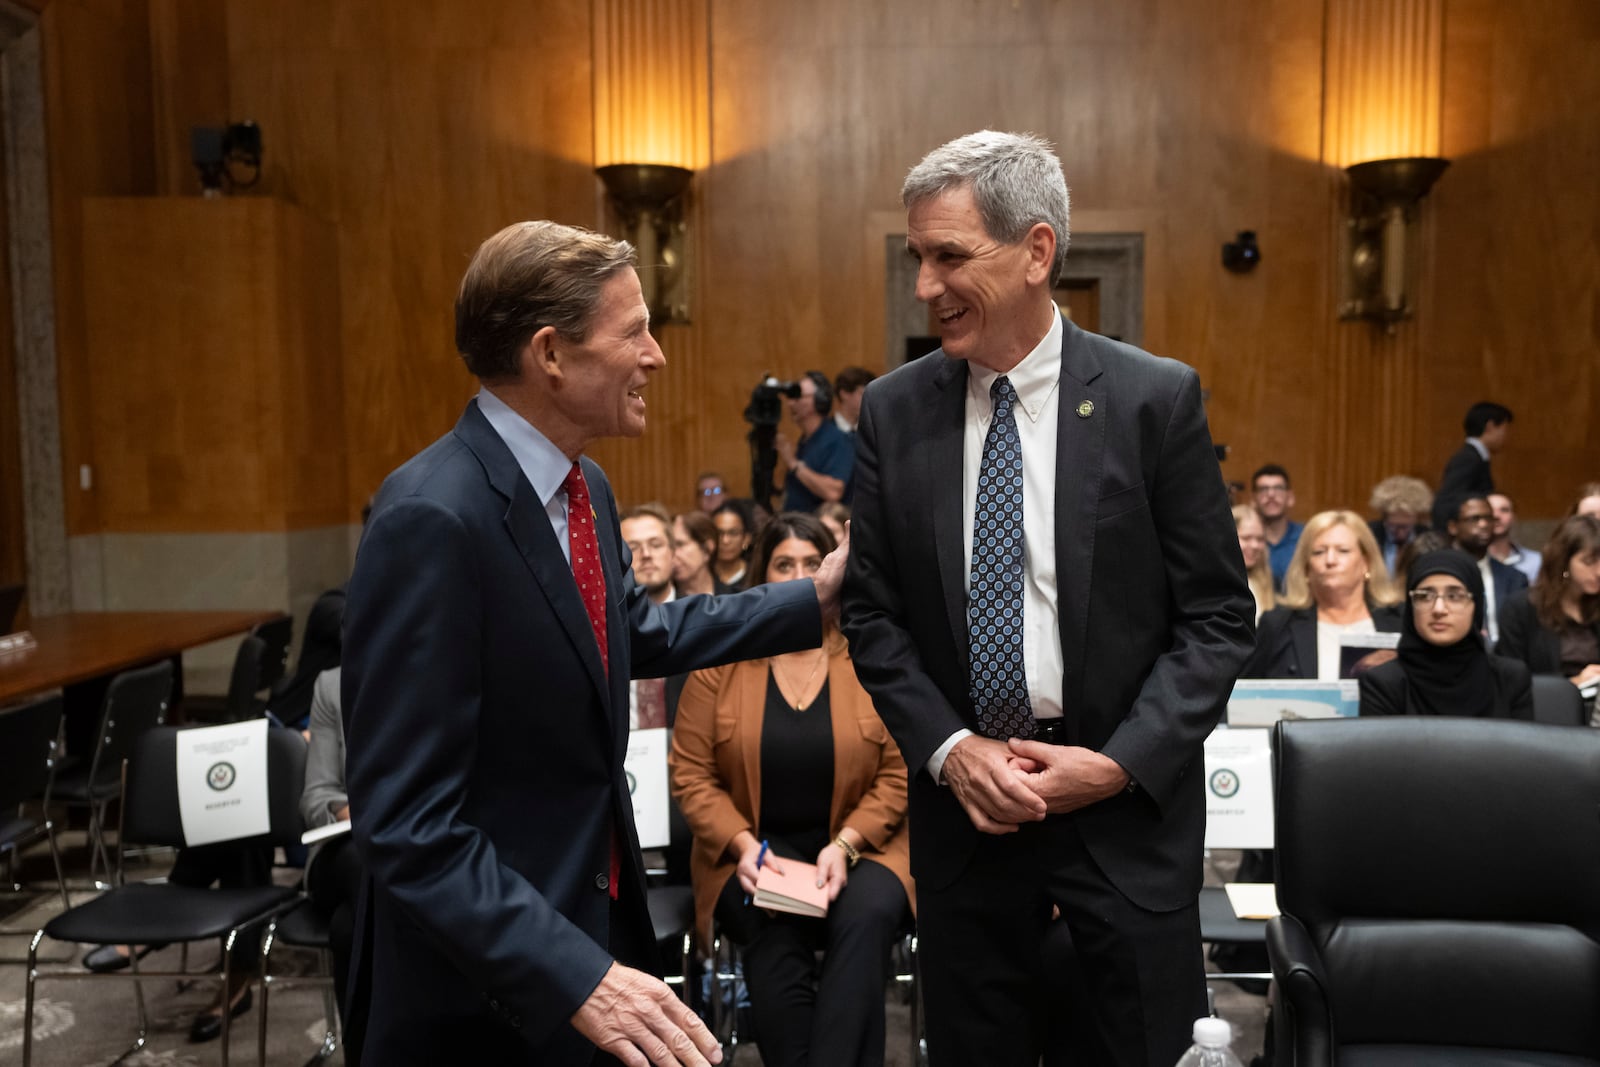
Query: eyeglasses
[[1272, 490], [713, 491], [1453, 598]]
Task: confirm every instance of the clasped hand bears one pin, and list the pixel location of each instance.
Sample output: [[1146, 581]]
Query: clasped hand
[[1002, 785]]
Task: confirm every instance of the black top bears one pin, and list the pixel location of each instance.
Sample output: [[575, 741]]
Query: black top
[[796, 770]]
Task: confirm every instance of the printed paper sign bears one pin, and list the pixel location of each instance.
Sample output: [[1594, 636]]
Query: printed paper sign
[[222, 782], [1238, 789], [646, 767]]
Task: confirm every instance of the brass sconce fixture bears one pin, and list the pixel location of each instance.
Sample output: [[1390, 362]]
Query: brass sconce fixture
[[649, 200], [1379, 267]]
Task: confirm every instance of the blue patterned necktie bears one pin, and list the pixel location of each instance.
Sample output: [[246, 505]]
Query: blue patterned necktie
[[997, 677]]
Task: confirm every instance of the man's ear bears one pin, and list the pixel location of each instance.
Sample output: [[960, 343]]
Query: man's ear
[[542, 354], [1041, 246]]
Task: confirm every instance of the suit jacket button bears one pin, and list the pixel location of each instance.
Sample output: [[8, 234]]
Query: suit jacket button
[[602, 883]]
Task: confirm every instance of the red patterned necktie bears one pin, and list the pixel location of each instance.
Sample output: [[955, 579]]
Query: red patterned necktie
[[585, 551]]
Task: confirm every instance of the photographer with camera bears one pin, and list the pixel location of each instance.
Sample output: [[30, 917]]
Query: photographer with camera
[[818, 466]]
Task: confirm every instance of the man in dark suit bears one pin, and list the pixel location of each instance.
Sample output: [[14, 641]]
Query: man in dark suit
[[1472, 526], [1467, 472], [1043, 549], [491, 631]]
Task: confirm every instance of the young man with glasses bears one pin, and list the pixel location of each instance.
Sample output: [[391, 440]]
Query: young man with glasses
[[1472, 526], [1273, 499]]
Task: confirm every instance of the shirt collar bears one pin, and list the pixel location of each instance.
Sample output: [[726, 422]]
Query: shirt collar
[[1478, 445], [1034, 379], [543, 464]]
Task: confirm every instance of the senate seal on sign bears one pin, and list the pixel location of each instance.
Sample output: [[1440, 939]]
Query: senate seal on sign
[[1224, 783], [221, 776]]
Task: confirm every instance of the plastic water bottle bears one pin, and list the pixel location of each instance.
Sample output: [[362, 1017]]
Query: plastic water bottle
[[1211, 1045]]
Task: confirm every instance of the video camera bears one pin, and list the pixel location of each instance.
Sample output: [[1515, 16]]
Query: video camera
[[763, 413]]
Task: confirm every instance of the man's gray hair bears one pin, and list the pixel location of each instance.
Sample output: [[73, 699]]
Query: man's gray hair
[[1016, 181]]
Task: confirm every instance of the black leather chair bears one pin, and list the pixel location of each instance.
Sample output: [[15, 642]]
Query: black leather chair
[[136, 701], [1557, 701], [150, 913], [1440, 887], [30, 739]]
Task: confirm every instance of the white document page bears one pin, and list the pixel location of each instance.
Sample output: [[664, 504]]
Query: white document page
[[222, 782]]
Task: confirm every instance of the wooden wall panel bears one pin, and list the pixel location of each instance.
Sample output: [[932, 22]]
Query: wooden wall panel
[[97, 101], [418, 127], [212, 410]]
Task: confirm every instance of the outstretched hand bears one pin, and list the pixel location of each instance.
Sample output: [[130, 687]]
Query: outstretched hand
[[829, 579], [637, 1019]]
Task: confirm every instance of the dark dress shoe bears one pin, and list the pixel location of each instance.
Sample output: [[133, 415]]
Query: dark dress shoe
[[207, 1026], [106, 958]]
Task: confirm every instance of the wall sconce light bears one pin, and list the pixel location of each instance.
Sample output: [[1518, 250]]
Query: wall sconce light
[[1379, 266], [649, 199]]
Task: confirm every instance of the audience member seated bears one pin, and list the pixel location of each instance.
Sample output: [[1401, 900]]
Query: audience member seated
[[1336, 585], [820, 464], [1472, 526], [333, 871], [1502, 547], [320, 650], [736, 526], [709, 492], [1419, 546], [1253, 545], [1554, 627], [1587, 501], [1443, 667], [694, 546], [789, 751], [1400, 502], [1274, 500], [647, 531], [835, 516]]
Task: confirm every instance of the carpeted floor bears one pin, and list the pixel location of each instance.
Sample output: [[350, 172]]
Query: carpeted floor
[[90, 1023]]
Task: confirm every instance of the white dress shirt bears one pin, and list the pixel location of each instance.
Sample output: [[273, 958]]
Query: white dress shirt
[[543, 464], [1037, 381], [1490, 608]]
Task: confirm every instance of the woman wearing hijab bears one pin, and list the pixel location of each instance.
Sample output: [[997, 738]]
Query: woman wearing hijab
[[1443, 667]]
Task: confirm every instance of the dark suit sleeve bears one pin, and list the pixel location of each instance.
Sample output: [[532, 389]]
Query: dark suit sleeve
[[1211, 611], [1383, 691], [887, 659], [695, 632], [413, 695], [1516, 620], [1516, 687], [1271, 632]]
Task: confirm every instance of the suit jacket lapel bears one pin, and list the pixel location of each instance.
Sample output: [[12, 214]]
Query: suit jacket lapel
[[530, 529], [1080, 453], [942, 474]]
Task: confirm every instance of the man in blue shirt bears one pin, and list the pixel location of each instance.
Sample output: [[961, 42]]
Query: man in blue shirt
[[1274, 498], [818, 467]]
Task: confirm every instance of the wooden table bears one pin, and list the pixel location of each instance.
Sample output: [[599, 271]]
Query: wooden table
[[80, 652]]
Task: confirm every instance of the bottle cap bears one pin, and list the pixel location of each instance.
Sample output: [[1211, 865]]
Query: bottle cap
[[1212, 1033]]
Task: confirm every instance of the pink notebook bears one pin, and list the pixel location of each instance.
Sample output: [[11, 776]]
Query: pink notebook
[[794, 891]]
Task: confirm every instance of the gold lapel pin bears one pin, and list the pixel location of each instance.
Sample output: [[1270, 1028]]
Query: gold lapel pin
[[1086, 409]]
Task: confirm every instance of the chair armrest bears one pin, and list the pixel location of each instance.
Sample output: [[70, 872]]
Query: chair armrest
[[1305, 1030]]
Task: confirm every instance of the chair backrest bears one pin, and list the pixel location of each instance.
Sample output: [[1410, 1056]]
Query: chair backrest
[[1557, 701], [1448, 871], [151, 815], [28, 738], [275, 636], [245, 681], [136, 700]]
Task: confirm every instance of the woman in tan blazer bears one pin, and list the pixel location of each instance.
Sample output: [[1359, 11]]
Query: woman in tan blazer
[[788, 752]]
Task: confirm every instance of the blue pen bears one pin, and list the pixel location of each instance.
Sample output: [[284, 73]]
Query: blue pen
[[760, 856]]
